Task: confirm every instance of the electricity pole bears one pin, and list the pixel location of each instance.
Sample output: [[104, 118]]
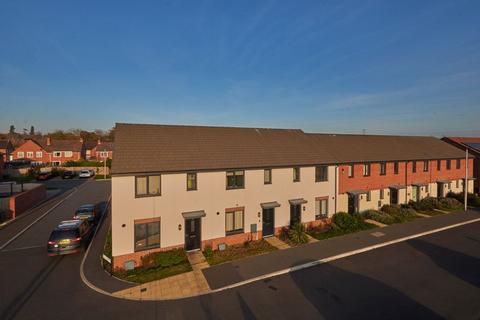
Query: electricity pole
[[465, 186]]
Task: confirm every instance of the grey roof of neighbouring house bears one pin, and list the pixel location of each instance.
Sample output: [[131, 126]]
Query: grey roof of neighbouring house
[[171, 148], [365, 148]]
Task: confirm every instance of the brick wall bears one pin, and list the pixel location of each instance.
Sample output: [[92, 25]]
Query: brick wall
[[377, 181], [30, 146], [23, 201]]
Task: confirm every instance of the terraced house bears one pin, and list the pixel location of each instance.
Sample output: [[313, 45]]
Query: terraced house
[[376, 170], [191, 186], [187, 186]]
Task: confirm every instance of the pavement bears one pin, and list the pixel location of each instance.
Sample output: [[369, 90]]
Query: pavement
[[433, 276]]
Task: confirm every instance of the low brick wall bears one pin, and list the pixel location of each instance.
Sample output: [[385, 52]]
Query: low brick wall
[[21, 202]]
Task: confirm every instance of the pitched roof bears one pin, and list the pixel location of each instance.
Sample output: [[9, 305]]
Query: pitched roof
[[4, 144], [364, 148], [59, 145], [169, 148], [90, 144], [105, 146], [472, 143]]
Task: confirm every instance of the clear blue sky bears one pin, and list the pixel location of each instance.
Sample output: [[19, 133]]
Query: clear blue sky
[[408, 67]]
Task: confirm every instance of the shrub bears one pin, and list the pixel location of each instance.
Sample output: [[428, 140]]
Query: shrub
[[379, 216], [208, 251], [449, 203], [344, 220], [297, 234], [391, 209], [472, 199], [426, 204]]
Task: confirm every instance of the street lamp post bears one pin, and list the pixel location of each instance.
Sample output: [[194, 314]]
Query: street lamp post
[[105, 166], [465, 185]]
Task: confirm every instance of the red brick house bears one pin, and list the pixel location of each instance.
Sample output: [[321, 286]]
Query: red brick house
[[2, 163], [47, 150], [473, 146], [6, 149], [103, 150], [378, 170]]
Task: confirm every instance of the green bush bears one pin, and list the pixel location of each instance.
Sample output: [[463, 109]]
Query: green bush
[[297, 234], [83, 163], [164, 259], [449, 203], [391, 209], [472, 199], [426, 204], [345, 221], [381, 217], [208, 251]]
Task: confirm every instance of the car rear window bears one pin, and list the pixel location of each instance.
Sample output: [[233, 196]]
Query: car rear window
[[64, 234], [85, 211]]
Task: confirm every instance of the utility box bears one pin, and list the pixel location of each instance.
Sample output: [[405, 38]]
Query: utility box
[[253, 228]]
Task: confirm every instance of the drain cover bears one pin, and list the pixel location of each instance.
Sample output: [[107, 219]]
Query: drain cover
[[378, 234]]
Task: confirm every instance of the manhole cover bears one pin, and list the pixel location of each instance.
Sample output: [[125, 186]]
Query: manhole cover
[[377, 234]]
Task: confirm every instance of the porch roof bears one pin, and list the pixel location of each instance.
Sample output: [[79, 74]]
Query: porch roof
[[194, 214], [269, 205], [397, 187], [357, 192], [297, 201]]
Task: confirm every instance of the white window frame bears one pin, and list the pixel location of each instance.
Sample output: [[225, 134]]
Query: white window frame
[[29, 154], [67, 154], [39, 154], [57, 154], [20, 154], [235, 228], [319, 205], [104, 154]]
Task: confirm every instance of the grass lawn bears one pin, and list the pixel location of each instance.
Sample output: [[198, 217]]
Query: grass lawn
[[335, 232], [235, 252]]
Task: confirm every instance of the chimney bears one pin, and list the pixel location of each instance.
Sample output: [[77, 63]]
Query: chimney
[[99, 142], [49, 141]]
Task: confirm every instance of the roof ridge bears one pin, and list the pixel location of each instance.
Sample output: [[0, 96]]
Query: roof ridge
[[202, 126]]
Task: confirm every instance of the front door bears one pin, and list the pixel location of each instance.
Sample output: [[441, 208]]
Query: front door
[[439, 189], [351, 203], [192, 234], [268, 216], [393, 196], [295, 214], [415, 193]]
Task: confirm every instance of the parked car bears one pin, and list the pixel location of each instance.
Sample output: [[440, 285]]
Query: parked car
[[85, 174], [89, 212], [69, 174], [42, 176], [69, 237]]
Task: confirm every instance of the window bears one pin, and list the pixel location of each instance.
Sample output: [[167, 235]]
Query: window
[[369, 195], [147, 186], [414, 166], [103, 154], [383, 168], [439, 165], [351, 171], [233, 222], [426, 188], [321, 208], [20, 154], [147, 235], [67, 154], [39, 154], [395, 167], [296, 174], [382, 194], [425, 166], [366, 169], [458, 164], [56, 163], [449, 164], [235, 179], [321, 173], [29, 154], [267, 176], [57, 154], [457, 184], [191, 181]]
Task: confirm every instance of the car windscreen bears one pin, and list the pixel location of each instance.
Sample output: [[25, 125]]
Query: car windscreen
[[85, 211], [64, 234]]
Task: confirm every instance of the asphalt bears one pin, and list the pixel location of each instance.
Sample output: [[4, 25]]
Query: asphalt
[[431, 277], [230, 273]]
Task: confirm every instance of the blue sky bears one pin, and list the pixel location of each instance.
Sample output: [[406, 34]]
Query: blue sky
[[399, 67]]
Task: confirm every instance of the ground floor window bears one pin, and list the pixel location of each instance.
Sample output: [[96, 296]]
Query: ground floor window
[[369, 195], [321, 208], [147, 235], [233, 222], [382, 194], [56, 163]]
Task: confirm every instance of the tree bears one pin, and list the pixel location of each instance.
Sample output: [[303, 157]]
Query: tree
[[32, 131], [12, 129]]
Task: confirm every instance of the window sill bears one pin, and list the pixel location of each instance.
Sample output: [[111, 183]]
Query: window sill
[[235, 188], [147, 248], [232, 233], [147, 196], [321, 217]]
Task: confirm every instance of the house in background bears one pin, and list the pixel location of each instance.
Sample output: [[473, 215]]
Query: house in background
[[6, 149], [2, 164], [89, 145], [47, 150], [473, 146], [103, 150], [375, 170], [191, 187]]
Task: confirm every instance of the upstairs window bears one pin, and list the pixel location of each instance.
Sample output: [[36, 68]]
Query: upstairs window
[[414, 166], [267, 176], [425, 166], [147, 186], [29, 154], [321, 173], [449, 164], [383, 168], [20, 154], [351, 171], [39, 154], [458, 164], [395, 167], [439, 165], [57, 154], [191, 181], [68, 154], [366, 169], [296, 174], [235, 179]]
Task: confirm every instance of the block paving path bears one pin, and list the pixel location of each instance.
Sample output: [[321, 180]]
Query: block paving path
[[277, 243]]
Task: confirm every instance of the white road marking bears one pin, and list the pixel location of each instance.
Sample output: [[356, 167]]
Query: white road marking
[[40, 218], [280, 272]]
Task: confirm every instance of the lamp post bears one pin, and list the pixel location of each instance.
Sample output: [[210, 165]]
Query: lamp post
[[465, 185], [105, 166]]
